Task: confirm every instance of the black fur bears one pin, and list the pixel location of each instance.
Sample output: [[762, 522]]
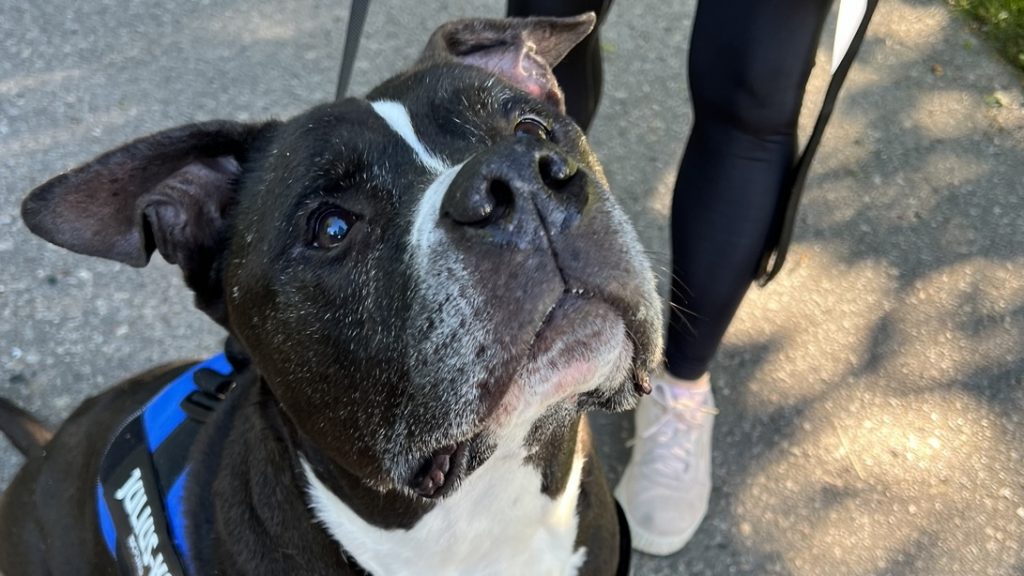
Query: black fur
[[368, 356]]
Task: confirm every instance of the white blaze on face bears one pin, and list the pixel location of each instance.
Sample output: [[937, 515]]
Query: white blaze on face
[[424, 228], [397, 117], [442, 280]]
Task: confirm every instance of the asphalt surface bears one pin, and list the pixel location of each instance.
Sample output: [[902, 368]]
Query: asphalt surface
[[872, 398]]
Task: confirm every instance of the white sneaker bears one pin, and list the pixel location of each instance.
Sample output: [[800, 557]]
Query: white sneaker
[[667, 484]]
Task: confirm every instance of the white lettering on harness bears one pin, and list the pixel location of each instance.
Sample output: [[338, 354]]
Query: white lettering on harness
[[144, 540]]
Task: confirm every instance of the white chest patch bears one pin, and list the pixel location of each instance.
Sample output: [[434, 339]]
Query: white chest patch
[[497, 523]]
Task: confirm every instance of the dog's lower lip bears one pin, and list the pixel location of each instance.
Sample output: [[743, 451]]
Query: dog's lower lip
[[440, 471]]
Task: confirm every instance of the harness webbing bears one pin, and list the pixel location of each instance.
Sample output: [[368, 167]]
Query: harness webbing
[[143, 472]]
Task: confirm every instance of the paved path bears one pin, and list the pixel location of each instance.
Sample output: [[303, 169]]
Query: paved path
[[872, 398]]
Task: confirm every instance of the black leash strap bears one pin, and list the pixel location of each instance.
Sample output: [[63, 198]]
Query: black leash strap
[[778, 245], [356, 20]]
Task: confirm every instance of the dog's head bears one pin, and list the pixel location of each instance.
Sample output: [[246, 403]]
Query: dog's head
[[419, 275]]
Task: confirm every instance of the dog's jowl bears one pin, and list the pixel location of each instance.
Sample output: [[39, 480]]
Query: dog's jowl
[[424, 289]]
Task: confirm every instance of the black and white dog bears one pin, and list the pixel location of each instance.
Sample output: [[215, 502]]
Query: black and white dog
[[426, 289]]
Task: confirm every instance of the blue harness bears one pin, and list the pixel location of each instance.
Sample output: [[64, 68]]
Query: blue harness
[[144, 470]]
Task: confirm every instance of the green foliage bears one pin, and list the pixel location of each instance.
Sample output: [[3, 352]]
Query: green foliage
[[1002, 21]]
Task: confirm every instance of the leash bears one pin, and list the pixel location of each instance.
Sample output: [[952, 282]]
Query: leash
[[356, 21], [778, 245]]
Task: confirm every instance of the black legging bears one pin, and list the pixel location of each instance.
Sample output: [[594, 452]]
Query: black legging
[[749, 64]]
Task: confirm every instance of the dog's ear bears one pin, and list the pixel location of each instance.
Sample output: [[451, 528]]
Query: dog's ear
[[523, 51], [170, 191]]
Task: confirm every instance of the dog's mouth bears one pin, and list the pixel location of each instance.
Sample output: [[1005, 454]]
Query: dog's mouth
[[581, 342], [442, 471], [578, 346]]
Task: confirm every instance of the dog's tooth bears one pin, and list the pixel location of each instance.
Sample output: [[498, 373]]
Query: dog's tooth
[[642, 383], [435, 471], [429, 484], [443, 462], [427, 487]]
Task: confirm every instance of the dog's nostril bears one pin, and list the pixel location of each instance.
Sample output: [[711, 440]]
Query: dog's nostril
[[481, 204], [555, 170], [503, 199]]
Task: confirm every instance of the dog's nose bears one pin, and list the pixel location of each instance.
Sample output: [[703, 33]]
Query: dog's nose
[[504, 189]]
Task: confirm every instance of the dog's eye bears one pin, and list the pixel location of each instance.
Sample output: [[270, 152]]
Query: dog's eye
[[331, 226], [533, 127]]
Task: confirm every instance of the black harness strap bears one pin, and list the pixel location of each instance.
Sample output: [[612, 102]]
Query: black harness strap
[[778, 245]]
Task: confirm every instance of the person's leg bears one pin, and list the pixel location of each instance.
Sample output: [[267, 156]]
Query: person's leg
[[579, 74], [749, 63]]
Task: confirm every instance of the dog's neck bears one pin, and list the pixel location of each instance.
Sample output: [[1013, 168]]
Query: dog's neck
[[499, 516], [518, 507]]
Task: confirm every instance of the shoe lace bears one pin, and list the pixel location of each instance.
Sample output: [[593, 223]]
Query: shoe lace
[[668, 443]]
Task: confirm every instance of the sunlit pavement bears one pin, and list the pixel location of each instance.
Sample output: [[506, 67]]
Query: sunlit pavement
[[872, 398]]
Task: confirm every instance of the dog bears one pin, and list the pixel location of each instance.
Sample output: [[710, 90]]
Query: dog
[[424, 291]]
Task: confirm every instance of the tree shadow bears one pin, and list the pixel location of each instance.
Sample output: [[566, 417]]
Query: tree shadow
[[743, 440], [923, 180]]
